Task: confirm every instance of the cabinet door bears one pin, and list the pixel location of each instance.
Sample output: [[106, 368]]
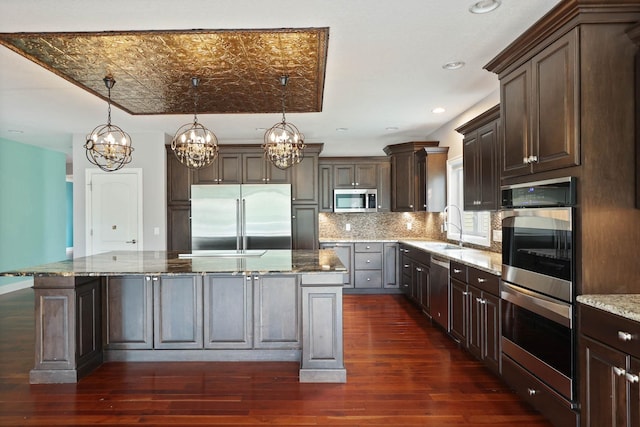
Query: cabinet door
[[402, 182], [470, 147], [344, 251], [179, 228], [128, 313], [178, 180], [208, 174], [634, 392], [475, 322], [423, 287], [366, 175], [515, 97], [492, 333], [254, 169], [556, 107], [229, 168], [487, 168], [177, 312], [326, 188], [390, 265], [228, 314], [459, 311], [304, 180], [603, 385], [304, 226], [276, 312], [384, 187], [88, 323], [343, 176]]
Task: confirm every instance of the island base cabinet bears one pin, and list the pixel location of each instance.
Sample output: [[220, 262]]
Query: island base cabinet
[[128, 313], [322, 338], [228, 312], [177, 312], [276, 312], [68, 329]]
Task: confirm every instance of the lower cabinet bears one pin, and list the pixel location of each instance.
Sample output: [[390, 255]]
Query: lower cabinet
[[276, 312], [128, 313], [228, 314], [344, 251], [609, 354], [475, 313], [390, 269], [415, 281], [177, 312], [368, 265]]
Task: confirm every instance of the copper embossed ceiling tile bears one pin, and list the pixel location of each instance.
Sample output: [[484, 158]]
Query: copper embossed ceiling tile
[[239, 70]]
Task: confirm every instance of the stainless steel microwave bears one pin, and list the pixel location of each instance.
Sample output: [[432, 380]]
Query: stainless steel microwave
[[355, 200]]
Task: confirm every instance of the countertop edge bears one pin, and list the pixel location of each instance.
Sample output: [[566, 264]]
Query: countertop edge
[[623, 305]]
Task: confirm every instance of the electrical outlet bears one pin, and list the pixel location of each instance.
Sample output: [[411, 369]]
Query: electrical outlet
[[409, 226], [347, 227], [497, 235]]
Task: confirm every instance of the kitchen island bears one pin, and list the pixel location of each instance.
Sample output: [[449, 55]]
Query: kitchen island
[[274, 305]]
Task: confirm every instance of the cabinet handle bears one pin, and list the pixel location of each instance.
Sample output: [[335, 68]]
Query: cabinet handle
[[411, 206], [418, 269], [619, 371], [293, 217], [532, 391], [525, 160], [353, 183], [533, 159], [455, 270], [147, 278], [624, 336], [368, 261], [465, 293], [479, 300], [481, 280], [368, 279], [632, 378], [405, 285], [248, 278], [406, 266], [368, 247]]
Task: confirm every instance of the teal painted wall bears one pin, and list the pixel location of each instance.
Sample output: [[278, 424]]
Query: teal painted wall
[[33, 206], [69, 186]]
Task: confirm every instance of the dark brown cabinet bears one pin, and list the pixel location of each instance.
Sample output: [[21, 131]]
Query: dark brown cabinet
[[237, 164], [475, 313], [540, 111], [391, 259], [128, 313], [480, 158], [415, 283], [609, 355], [352, 172], [418, 176]]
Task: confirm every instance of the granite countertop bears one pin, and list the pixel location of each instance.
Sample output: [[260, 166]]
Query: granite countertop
[[623, 305], [168, 263], [490, 262]]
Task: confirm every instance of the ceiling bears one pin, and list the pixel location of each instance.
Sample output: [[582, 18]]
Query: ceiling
[[376, 83]]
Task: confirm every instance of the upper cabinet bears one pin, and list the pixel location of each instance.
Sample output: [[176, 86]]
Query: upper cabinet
[[225, 169], [480, 157], [418, 176], [351, 172], [540, 110]]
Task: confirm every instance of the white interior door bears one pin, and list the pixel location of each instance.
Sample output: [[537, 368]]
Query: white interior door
[[114, 211]]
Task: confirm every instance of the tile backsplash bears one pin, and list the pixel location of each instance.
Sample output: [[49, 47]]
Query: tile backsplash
[[391, 225]]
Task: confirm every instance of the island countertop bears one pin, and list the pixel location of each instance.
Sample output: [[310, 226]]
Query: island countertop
[[169, 263]]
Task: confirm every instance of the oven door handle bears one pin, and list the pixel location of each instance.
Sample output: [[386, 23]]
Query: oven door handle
[[558, 311]]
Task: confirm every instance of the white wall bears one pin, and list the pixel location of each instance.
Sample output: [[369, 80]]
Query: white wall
[[148, 155], [447, 134]]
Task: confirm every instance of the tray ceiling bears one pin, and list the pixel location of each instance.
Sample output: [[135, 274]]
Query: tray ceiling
[[239, 70]]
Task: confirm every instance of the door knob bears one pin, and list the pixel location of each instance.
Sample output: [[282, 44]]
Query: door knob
[[131, 241]]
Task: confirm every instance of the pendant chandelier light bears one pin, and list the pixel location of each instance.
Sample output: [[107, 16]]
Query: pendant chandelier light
[[108, 146], [194, 145], [283, 143]]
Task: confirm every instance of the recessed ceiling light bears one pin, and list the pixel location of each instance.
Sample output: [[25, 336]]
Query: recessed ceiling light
[[15, 131], [484, 6], [261, 129], [342, 129], [454, 65], [438, 110], [391, 128]]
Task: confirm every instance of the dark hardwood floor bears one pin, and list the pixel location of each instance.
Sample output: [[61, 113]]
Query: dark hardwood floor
[[401, 371]]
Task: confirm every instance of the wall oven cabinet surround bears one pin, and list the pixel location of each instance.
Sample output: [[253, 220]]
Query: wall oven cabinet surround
[[480, 157], [418, 176], [609, 368], [345, 173]]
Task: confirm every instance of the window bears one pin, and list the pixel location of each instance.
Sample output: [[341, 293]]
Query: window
[[476, 226]]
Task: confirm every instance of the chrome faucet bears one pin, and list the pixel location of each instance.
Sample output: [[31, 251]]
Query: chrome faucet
[[459, 227]]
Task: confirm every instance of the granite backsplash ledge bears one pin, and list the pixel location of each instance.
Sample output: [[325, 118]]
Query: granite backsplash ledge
[[391, 225]]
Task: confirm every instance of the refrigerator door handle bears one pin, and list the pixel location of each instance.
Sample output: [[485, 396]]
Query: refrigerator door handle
[[238, 226], [244, 224]]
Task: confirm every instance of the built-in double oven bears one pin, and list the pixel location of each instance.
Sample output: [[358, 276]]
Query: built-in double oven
[[537, 286]]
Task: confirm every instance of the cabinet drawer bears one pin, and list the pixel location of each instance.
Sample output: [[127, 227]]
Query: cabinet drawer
[[615, 331], [368, 279], [418, 255], [545, 400], [368, 247], [458, 271], [368, 261], [486, 281]]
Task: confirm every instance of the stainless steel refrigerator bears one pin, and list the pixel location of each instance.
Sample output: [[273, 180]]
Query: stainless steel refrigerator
[[240, 217]]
